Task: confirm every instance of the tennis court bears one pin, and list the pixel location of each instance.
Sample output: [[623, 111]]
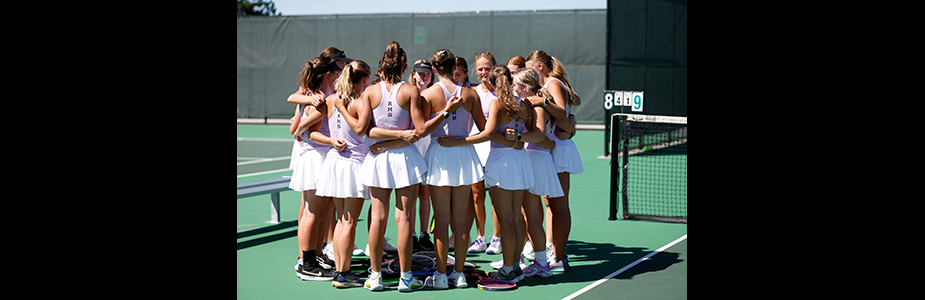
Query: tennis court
[[608, 259]]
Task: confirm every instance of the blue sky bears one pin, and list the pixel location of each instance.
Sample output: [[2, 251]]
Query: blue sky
[[303, 7]]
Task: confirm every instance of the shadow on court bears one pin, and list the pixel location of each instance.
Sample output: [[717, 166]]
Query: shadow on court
[[590, 262], [269, 238]]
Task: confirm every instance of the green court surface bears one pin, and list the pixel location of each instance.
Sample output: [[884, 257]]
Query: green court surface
[[598, 247]]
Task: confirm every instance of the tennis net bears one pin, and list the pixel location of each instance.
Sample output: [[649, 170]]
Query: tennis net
[[649, 167]]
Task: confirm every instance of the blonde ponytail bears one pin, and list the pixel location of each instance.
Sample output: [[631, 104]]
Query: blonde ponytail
[[349, 77], [558, 71]]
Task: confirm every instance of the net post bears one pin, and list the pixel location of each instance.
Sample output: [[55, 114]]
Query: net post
[[614, 165]]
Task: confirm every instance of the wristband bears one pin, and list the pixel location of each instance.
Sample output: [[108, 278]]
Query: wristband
[[545, 102], [518, 137]]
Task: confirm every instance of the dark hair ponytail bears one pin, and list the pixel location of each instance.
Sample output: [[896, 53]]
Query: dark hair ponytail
[[393, 62], [312, 74]]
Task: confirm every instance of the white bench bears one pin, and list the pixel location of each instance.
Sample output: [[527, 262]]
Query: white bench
[[270, 186]]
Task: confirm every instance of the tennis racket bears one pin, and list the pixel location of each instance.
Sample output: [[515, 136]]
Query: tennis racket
[[360, 267], [390, 282], [476, 274], [490, 284], [424, 272], [422, 263]]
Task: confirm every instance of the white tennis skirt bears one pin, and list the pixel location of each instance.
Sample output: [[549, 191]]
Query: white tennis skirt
[[307, 170], [393, 169], [453, 166], [544, 172], [507, 168], [566, 157], [296, 152], [422, 145], [340, 178], [483, 148]]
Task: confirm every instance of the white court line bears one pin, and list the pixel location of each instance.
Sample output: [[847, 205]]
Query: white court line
[[249, 158], [262, 160], [264, 172], [240, 139], [602, 280]]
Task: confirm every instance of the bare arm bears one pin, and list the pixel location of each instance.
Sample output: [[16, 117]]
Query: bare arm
[[541, 117], [294, 122], [299, 98], [563, 134], [360, 107], [478, 116], [313, 116], [316, 136], [382, 146], [411, 94], [486, 134], [533, 135], [429, 125]]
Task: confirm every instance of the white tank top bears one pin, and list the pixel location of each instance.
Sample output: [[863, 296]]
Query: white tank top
[[485, 98], [389, 115], [339, 128], [457, 122]]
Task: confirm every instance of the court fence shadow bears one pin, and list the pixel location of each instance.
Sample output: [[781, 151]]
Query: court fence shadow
[[606, 258]]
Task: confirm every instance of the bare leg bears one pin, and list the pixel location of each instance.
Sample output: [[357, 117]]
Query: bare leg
[[310, 227], [477, 208], [379, 212], [424, 208], [533, 208], [510, 221], [326, 219], [561, 218], [348, 211], [458, 207], [404, 219], [441, 221]]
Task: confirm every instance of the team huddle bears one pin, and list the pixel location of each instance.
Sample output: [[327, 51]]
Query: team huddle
[[445, 140]]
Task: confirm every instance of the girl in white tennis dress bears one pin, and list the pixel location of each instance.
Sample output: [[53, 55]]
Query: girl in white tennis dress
[[484, 62], [394, 109], [526, 84], [451, 170], [565, 155], [316, 77], [340, 175]]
